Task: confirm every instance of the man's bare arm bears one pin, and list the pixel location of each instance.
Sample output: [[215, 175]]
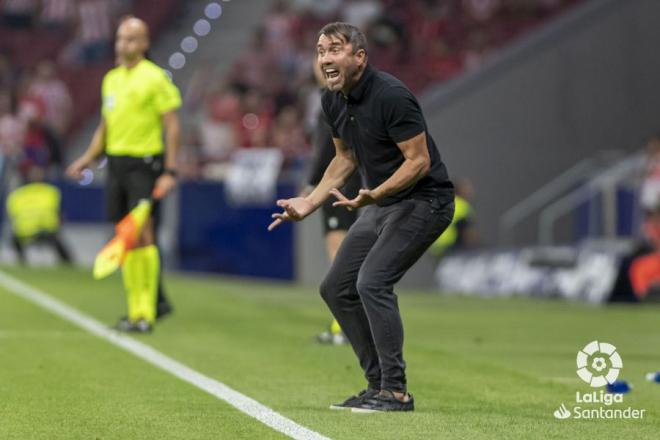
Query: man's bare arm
[[415, 166], [172, 127], [339, 169], [94, 150]]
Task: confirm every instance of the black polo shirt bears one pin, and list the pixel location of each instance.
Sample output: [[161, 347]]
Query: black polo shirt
[[378, 112]]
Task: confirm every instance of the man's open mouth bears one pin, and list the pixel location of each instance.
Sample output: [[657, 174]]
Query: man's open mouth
[[331, 73]]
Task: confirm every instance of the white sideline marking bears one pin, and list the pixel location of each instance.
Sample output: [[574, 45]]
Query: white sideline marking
[[239, 401]]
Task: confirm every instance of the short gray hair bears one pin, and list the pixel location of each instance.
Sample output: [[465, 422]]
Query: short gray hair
[[348, 33]]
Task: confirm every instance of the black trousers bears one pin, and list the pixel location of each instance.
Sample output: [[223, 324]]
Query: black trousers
[[49, 238], [129, 180], [377, 251]]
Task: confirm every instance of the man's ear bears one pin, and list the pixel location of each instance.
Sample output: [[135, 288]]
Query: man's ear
[[361, 55]]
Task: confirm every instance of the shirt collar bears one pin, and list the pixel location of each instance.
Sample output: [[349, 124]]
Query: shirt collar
[[358, 90], [139, 64]]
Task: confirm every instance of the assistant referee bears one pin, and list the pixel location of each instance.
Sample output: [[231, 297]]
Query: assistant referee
[[139, 103], [378, 128]]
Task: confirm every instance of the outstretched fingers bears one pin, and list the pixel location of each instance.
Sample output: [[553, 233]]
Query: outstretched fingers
[[275, 224], [342, 200], [279, 219], [335, 192]]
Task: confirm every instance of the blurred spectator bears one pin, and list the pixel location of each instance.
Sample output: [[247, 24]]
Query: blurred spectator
[[361, 13], [58, 15], [650, 189], [255, 120], [255, 65], [433, 22], [325, 10], [12, 128], [288, 134], [279, 27], [195, 93], [36, 147], [95, 30], [9, 75], [34, 213], [481, 10], [476, 51], [461, 233], [55, 95], [18, 14], [218, 133], [644, 263], [644, 269], [440, 62]]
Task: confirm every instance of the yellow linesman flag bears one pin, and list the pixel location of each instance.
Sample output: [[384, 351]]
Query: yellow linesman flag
[[127, 231]]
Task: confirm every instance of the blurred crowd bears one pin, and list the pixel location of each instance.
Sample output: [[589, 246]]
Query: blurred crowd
[[270, 97], [87, 25], [35, 111], [36, 105], [52, 56]]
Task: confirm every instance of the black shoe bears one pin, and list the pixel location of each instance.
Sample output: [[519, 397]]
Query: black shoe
[[385, 402], [163, 309], [123, 324], [355, 401]]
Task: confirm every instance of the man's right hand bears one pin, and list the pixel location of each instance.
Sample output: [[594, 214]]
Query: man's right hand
[[295, 209], [76, 168]]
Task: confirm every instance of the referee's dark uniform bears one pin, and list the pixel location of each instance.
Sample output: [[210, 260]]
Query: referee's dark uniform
[[378, 112]]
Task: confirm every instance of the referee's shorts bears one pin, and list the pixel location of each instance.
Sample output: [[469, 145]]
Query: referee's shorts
[[131, 179]]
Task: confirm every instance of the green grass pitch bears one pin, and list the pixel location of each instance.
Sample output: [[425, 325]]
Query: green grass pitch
[[478, 368]]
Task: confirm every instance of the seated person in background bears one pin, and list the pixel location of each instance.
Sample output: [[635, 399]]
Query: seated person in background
[[34, 213], [461, 233], [640, 271], [650, 190]]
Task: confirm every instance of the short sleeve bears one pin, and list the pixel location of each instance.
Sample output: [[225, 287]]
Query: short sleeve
[[326, 114], [167, 97], [402, 114], [106, 98]]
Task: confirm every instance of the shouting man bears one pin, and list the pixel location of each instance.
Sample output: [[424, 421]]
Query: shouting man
[[378, 127]]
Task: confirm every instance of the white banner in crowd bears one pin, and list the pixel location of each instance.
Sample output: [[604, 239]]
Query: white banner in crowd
[[252, 177], [589, 275]]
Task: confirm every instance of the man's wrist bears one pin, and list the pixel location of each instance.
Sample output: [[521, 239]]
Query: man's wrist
[[306, 191], [310, 200], [170, 172], [377, 194]]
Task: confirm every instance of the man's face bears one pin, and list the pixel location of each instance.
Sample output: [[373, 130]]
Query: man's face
[[131, 42], [339, 65]]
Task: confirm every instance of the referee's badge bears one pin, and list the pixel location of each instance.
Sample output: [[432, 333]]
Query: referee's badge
[[109, 102]]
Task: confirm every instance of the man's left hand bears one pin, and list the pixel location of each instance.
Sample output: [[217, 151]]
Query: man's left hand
[[365, 197], [164, 184]]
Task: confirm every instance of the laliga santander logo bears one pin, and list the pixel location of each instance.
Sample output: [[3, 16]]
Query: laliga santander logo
[[598, 364]]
